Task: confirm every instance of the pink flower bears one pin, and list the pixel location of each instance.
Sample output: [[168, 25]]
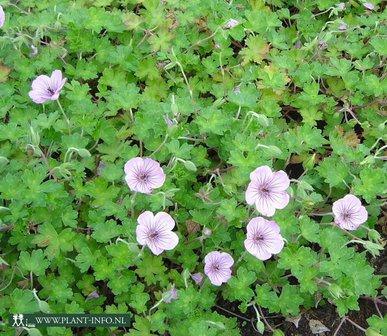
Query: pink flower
[[143, 175], [343, 26], [267, 190], [92, 295], [349, 213], [170, 295], [156, 232], [2, 17], [231, 24], [341, 5], [216, 46], [263, 238], [368, 5], [217, 267], [46, 88], [197, 278], [168, 121], [34, 51], [207, 232]]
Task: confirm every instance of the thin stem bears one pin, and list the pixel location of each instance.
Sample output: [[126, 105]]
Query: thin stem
[[189, 87], [161, 145], [132, 204], [47, 164], [232, 313], [240, 259], [263, 318], [202, 40], [355, 324], [6, 227], [222, 70], [64, 115], [339, 326]]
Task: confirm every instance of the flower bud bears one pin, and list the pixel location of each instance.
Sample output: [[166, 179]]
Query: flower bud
[[35, 139], [309, 162], [44, 307], [373, 235], [274, 150], [84, 153], [368, 160], [189, 165], [335, 291]]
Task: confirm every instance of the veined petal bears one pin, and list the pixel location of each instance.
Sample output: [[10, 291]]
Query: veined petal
[[279, 200], [164, 221], [41, 82], [261, 174], [56, 80], [252, 193], [279, 181], [265, 206]]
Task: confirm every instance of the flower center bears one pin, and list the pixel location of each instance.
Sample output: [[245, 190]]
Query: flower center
[[215, 267], [264, 190], [153, 235], [50, 91], [258, 238], [143, 177], [346, 215]]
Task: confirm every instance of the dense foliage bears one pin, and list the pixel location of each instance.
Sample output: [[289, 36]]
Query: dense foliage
[[298, 86]]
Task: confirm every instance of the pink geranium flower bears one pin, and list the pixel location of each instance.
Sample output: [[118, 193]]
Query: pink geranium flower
[[197, 278], [349, 213], [368, 5], [217, 267], [156, 232], [263, 238], [143, 175], [267, 190], [2, 17], [170, 295], [47, 88]]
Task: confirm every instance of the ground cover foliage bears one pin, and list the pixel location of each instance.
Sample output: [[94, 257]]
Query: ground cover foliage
[[294, 85]]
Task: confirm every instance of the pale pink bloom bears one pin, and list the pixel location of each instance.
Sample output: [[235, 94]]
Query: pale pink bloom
[[168, 121], [217, 267], [216, 46], [197, 278], [231, 24], [143, 175], [267, 190], [156, 232], [92, 295], [47, 88], [341, 5], [237, 89], [207, 232], [2, 17], [297, 45], [34, 51], [263, 238], [343, 26], [368, 5], [349, 213], [170, 295]]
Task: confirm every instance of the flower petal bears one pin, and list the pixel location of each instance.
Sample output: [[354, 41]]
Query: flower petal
[[164, 222], [41, 82], [252, 193], [265, 206], [261, 174], [279, 181], [279, 200]]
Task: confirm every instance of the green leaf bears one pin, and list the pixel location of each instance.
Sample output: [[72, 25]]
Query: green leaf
[[35, 263], [239, 286]]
